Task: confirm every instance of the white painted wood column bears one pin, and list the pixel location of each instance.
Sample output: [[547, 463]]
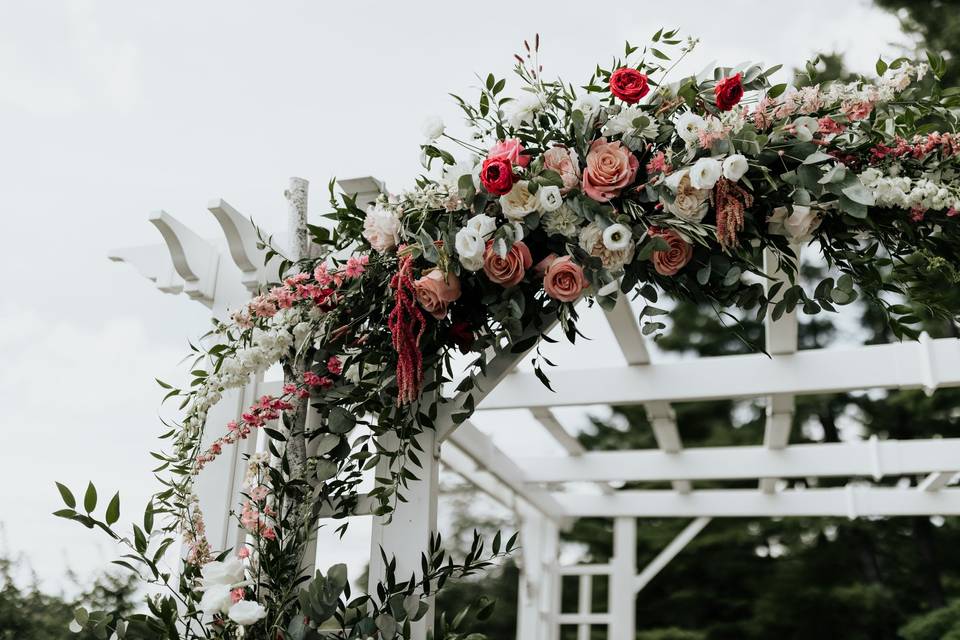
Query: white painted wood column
[[623, 615], [407, 534], [538, 608]]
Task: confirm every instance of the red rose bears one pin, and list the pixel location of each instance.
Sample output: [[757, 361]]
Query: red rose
[[497, 176], [728, 92], [629, 85]]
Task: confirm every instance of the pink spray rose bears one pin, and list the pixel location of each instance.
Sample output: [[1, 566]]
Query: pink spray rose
[[611, 167], [565, 162], [510, 149]]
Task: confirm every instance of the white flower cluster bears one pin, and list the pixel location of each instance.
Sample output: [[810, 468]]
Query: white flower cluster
[[634, 125], [217, 581], [903, 193]]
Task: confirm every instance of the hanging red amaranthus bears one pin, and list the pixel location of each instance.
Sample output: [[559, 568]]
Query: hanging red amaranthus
[[731, 202], [406, 323]]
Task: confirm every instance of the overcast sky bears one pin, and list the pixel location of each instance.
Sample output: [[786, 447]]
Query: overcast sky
[[111, 109]]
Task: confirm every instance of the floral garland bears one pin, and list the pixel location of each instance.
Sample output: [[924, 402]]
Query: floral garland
[[629, 185]]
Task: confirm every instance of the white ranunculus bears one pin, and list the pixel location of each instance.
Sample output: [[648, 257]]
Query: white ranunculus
[[705, 173], [519, 203], [798, 226], [689, 125], [525, 109], [483, 224], [470, 246], [247, 612], [381, 228], [804, 127], [735, 166], [228, 572], [616, 237], [550, 198], [216, 599], [432, 128]]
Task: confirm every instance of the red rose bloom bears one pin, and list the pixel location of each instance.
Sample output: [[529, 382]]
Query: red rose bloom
[[629, 85], [728, 92], [497, 176]]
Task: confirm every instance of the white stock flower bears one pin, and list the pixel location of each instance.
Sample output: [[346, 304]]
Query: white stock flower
[[705, 173], [616, 237], [228, 572], [798, 226], [381, 228], [525, 109], [470, 246], [247, 612], [550, 198], [689, 125], [735, 166], [804, 127], [519, 203], [483, 224], [216, 599], [432, 128]]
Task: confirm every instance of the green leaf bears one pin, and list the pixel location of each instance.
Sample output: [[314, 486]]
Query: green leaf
[[67, 496], [817, 157], [90, 498], [340, 420], [113, 509], [859, 194]]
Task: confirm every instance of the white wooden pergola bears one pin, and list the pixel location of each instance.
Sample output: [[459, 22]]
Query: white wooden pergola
[[223, 274]]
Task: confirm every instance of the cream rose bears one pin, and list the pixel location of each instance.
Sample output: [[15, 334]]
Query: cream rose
[[519, 203], [798, 226], [688, 203]]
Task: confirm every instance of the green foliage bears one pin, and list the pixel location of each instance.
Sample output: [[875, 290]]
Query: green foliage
[[940, 624]]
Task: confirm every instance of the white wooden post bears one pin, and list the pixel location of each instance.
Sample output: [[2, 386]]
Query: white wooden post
[[405, 534], [623, 617], [538, 607]]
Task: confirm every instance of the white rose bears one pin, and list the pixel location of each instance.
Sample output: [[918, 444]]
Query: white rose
[[804, 127], [616, 237], [381, 228], [734, 167], [216, 599], [247, 612], [483, 224], [705, 173], [432, 128], [470, 246], [798, 226], [689, 125], [519, 202], [228, 572], [550, 198]]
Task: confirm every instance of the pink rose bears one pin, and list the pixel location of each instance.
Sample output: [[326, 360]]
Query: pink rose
[[540, 270], [564, 280], [435, 290], [611, 167], [676, 257], [565, 162], [510, 149], [510, 269]]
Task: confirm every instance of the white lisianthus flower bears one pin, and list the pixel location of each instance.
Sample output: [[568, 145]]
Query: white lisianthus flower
[[735, 166], [689, 125], [804, 127], [228, 572], [519, 203], [381, 228], [483, 224], [525, 110], [550, 198], [470, 246], [216, 599], [247, 612], [798, 226], [705, 173], [432, 128], [616, 237]]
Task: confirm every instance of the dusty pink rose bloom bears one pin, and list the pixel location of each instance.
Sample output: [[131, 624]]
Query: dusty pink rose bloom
[[510, 149], [565, 162], [669, 261], [564, 280], [510, 269], [611, 167], [435, 290], [540, 269]]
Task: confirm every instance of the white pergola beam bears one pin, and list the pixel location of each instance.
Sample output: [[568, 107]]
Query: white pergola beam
[[907, 365], [848, 502], [461, 464], [938, 480], [669, 553], [556, 430], [872, 458]]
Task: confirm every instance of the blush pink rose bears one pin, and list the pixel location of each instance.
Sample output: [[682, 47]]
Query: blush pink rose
[[564, 280], [669, 261], [510, 269], [611, 167], [510, 149], [435, 290], [565, 162]]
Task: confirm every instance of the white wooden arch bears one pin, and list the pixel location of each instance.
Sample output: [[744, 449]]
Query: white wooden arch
[[223, 274]]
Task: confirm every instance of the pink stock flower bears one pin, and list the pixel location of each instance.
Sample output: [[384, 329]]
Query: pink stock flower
[[355, 267], [334, 366], [243, 553], [236, 595]]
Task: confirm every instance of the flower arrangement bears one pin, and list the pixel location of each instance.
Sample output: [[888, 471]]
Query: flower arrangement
[[629, 185]]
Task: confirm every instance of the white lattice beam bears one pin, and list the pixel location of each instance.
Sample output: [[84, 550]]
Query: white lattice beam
[[668, 553]]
